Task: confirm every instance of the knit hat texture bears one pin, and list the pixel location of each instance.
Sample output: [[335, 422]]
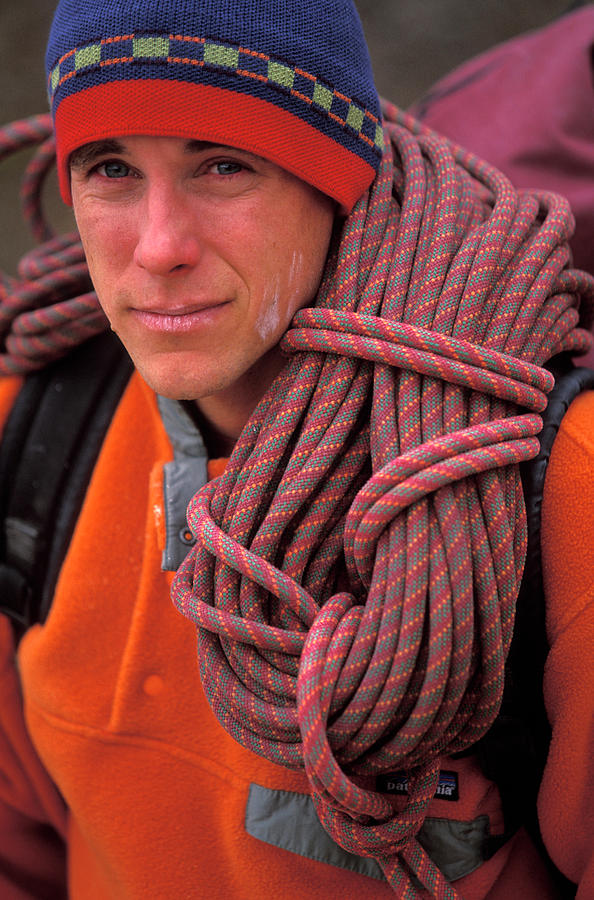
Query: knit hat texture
[[289, 80]]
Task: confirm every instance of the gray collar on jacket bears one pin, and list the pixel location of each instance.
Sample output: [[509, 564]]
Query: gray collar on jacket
[[182, 477]]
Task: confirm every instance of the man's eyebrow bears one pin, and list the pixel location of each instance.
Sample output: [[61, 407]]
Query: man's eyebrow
[[88, 153], [197, 146]]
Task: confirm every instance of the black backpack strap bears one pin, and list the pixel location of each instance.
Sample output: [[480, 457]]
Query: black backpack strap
[[513, 753], [567, 387], [50, 443]]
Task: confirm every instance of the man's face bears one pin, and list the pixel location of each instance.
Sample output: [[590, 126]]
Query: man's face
[[200, 256]]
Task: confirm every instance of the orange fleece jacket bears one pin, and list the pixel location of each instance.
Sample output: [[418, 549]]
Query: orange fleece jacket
[[122, 763]]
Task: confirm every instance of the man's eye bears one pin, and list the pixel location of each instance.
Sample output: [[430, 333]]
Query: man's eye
[[113, 169], [227, 167]]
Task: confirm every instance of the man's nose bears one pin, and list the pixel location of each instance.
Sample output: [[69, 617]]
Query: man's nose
[[168, 238]]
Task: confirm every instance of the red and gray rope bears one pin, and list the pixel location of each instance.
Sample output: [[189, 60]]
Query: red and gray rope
[[357, 565], [50, 306]]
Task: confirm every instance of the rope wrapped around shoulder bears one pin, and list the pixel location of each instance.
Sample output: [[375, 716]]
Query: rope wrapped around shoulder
[[357, 566]]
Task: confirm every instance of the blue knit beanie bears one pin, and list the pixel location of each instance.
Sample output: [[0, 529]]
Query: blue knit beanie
[[289, 80]]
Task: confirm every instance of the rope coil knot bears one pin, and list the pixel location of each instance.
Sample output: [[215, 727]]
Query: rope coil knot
[[322, 680]]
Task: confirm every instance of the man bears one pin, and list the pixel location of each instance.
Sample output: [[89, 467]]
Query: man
[[363, 327]]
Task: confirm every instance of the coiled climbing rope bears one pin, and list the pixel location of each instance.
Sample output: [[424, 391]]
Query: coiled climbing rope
[[357, 565]]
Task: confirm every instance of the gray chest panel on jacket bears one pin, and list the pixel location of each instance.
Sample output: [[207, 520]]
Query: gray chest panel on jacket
[[289, 821]]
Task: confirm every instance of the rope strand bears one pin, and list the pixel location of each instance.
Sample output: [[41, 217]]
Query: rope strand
[[50, 307]]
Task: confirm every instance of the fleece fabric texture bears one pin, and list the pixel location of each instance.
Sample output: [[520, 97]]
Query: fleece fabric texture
[[120, 783], [567, 792]]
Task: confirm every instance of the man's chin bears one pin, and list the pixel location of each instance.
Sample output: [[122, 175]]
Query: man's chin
[[171, 382], [186, 379]]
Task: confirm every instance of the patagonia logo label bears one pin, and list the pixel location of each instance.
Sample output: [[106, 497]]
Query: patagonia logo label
[[397, 783]]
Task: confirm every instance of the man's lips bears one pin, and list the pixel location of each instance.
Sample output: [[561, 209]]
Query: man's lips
[[178, 319]]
